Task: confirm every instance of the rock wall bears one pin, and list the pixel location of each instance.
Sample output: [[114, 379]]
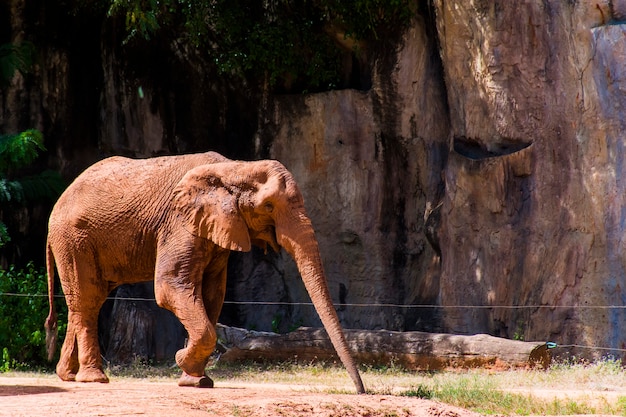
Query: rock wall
[[370, 165], [532, 213], [520, 125]]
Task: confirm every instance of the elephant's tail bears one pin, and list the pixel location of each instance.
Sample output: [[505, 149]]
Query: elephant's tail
[[51, 326]]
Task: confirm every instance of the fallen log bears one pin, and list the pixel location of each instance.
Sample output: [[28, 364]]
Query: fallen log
[[411, 350]]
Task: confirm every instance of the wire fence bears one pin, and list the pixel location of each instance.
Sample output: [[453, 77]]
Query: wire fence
[[550, 345], [364, 305]]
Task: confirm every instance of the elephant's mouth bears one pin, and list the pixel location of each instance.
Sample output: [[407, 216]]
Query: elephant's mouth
[[265, 237]]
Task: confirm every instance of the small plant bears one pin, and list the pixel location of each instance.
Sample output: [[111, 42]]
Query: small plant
[[621, 405], [519, 332], [241, 411], [421, 391], [276, 320]]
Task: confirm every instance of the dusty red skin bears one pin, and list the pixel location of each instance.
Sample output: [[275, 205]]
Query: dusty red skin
[[175, 220]]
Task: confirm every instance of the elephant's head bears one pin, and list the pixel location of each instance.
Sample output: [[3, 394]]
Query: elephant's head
[[236, 204]]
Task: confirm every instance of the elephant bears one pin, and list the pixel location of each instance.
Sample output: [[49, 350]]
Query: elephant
[[174, 220]]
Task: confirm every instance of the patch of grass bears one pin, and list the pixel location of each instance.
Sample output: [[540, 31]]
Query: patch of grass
[[559, 390], [476, 394], [513, 392], [421, 391], [312, 374]]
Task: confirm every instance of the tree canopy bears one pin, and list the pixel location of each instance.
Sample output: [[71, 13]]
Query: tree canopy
[[281, 41]]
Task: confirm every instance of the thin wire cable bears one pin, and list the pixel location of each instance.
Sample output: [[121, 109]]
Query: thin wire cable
[[8, 294], [590, 347], [363, 305]]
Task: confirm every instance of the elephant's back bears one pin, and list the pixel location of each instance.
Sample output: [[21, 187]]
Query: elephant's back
[[119, 168], [119, 190]]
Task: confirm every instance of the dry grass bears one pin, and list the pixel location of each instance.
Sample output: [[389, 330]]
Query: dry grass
[[564, 389]]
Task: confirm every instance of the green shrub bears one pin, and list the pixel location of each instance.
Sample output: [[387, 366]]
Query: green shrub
[[23, 310]]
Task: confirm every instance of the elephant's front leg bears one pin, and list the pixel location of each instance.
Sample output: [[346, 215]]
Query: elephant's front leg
[[213, 292], [184, 299], [188, 306]]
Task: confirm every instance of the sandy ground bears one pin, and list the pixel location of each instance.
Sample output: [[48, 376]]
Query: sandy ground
[[48, 396]]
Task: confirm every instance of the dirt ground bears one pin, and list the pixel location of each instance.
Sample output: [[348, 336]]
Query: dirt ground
[[48, 396]]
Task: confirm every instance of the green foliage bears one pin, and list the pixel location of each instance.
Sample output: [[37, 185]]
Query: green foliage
[[19, 151], [4, 234], [421, 391], [282, 41], [368, 19], [15, 58], [22, 338], [47, 185], [276, 323]]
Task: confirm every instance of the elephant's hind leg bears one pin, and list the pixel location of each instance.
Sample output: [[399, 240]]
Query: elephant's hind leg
[[79, 360], [67, 367], [88, 349], [85, 293]]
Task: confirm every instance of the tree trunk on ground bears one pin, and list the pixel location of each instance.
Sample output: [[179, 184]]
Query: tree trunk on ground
[[411, 350]]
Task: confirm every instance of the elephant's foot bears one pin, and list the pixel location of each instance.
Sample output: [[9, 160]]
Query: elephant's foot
[[66, 376], [191, 364], [65, 373], [91, 375], [187, 380]]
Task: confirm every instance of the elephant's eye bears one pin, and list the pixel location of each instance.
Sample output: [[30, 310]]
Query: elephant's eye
[[269, 207]]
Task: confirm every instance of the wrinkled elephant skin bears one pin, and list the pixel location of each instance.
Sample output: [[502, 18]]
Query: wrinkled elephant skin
[[174, 219]]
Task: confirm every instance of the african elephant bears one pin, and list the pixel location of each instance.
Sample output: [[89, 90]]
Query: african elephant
[[174, 219]]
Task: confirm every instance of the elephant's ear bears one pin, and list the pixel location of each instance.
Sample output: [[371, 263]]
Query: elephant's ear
[[208, 209]]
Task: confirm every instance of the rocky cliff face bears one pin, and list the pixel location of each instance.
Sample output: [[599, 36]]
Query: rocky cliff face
[[521, 125], [533, 208], [482, 168]]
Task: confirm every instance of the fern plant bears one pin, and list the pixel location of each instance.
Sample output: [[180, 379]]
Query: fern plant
[[16, 152]]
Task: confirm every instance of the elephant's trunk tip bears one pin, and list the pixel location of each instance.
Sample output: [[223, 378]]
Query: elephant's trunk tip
[[360, 388]]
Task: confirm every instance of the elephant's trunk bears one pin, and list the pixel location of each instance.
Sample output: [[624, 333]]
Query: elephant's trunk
[[301, 244]]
